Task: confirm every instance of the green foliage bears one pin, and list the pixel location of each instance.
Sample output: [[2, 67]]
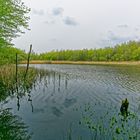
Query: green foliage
[[123, 52], [12, 19], [110, 124], [8, 54]]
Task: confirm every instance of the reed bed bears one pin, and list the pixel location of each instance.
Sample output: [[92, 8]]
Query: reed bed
[[12, 82], [84, 62]]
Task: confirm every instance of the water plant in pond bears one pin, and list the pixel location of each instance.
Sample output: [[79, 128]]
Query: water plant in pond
[[110, 123]]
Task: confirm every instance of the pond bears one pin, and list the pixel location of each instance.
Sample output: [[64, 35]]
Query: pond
[[55, 105]]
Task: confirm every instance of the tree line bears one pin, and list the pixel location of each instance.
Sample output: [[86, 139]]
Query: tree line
[[13, 18], [129, 51]]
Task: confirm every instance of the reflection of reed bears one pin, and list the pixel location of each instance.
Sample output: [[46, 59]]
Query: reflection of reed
[[54, 83], [30, 100], [49, 78], [17, 92], [18, 103], [59, 80], [12, 82], [66, 82]]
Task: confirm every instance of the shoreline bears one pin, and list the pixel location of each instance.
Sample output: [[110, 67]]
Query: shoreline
[[83, 62]]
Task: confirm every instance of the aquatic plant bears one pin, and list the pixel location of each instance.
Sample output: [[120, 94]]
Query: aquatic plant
[[109, 123]]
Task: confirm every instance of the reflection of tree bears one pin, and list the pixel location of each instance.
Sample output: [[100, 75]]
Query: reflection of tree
[[12, 127]]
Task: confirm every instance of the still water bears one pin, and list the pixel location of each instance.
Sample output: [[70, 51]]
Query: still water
[[51, 109]]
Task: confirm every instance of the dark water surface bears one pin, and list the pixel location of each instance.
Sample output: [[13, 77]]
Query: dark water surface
[[50, 111]]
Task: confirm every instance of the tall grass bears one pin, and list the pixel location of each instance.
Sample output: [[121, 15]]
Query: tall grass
[[12, 83]]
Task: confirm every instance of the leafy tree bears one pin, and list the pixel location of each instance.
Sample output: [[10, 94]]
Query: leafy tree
[[12, 19], [8, 53], [124, 52]]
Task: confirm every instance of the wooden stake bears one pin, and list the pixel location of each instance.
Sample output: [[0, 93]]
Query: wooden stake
[[28, 60], [16, 67]]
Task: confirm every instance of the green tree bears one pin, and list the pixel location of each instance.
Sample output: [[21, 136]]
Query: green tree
[[12, 18], [8, 53], [122, 52]]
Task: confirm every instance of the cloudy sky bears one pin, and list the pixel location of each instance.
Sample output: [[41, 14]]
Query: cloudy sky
[[78, 24]]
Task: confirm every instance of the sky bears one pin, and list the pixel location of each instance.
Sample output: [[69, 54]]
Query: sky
[[79, 24]]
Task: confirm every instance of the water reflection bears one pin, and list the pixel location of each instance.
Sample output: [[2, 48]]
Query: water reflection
[[59, 79], [47, 99], [17, 86], [37, 110], [66, 81], [109, 123], [12, 127], [30, 100], [57, 112], [69, 102]]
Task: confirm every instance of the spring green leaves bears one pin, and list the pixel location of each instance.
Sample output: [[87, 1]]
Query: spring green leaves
[[13, 17], [129, 51]]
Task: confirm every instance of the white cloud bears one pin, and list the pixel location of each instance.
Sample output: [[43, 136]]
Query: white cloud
[[57, 11], [70, 21], [92, 19]]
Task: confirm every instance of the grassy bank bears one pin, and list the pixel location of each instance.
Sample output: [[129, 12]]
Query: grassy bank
[[84, 62]]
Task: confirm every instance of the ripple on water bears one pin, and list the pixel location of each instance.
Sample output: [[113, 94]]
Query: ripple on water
[[92, 82], [69, 86]]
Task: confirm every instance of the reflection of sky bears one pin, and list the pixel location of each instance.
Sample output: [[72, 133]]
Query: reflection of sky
[[61, 24], [50, 111]]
